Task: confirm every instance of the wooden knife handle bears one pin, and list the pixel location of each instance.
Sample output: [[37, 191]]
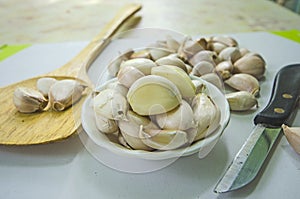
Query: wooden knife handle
[[284, 97]]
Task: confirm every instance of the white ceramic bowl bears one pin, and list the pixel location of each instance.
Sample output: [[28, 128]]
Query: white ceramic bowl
[[203, 146]]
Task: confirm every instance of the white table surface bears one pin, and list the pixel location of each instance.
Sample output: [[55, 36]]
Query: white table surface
[[66, 169]]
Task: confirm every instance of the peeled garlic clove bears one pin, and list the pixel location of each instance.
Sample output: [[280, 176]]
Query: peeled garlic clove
[[178, 77], [204, 55], [28, 100], [244, 82], [118, 88], [141, 54], [122, 141], [65, 93], [292, 135], [181, 118], [142, 64], [164, 139], [214, 79], [43, 85], [131, 127], [152, 94], [171, 60], [241, 101], [230, 53], [111, 104], [206, 114], [224, 69], [202, 68], [128, 75], [105, 125], [114, 66], [252, 64]]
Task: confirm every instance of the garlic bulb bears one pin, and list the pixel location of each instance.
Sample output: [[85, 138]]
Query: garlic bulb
[[44, 84], [244, 82], [292, 134], [181, 118], [241, 101], [152, 94], [111, 104], [28, 100], [65, 93]]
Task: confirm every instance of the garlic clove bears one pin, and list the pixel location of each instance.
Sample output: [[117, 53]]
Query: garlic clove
[[141, 54], [178, 77], [43, 85], [216, 46], [123, 142], [226, 40], [172, 43], [244, 82], [214, 79], [252, 64], [206, 115], [111, 104], [241, 101], [224, 69], [292, 135], [230, 53], [190, 47], [105, 125], [152, 94], [181, 118], [142, 64], [131, 127], [118, 88], [164, 139], [114, 66], [202, 68], [27, 100], [171, 60], [189, 68], [128, 75], [157, 53], [244, 51], [200, 86], [204, 55], [65, 93]]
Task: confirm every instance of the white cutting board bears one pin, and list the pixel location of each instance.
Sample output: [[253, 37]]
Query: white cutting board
[[67, 170]]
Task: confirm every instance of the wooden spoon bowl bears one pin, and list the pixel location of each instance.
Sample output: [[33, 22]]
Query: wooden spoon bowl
[[35, 128]]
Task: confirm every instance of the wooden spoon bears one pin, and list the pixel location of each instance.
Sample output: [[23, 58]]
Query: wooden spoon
[[23, 129]]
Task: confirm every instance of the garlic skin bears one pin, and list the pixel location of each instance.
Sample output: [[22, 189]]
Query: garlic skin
[[292, 135], [172, 43], [181, 118], [164, 139], [27, 100], [65, 93], [206, 114], [105, 125], [111, 104], [251, 64], [142, 64], [244, 82], [241, 101], [43, 85], [128, 75]]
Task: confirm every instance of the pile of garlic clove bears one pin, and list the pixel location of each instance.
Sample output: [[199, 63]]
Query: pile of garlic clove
[[49, 93], [155, 105], [217, 59]]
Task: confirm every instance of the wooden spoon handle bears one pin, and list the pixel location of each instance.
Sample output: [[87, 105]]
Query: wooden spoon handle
[[78, 66]]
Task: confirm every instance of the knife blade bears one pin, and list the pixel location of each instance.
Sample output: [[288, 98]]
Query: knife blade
[[279, 110]]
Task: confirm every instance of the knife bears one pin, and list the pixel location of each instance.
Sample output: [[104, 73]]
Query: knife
[[250, 158]]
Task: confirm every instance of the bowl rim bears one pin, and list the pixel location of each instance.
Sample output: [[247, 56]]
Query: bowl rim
[[101, 140]]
